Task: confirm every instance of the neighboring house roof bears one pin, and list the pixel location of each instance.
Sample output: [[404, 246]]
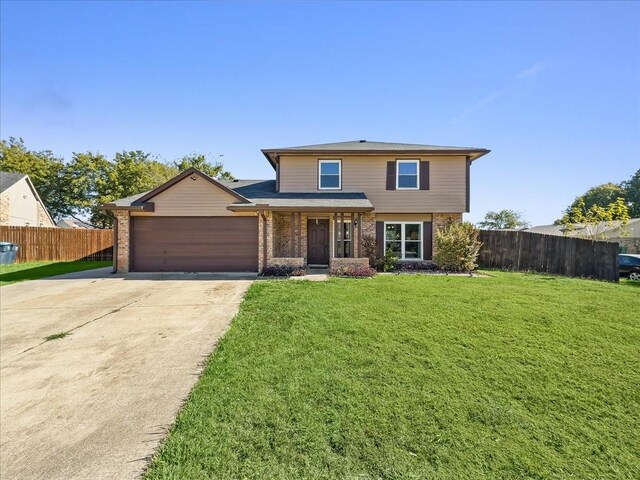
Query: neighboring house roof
[[73, 223], [368, 147], [8, 179], [632, 228]]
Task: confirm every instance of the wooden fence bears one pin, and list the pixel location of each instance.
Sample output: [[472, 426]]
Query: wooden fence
[[573, 257], [38, 243]]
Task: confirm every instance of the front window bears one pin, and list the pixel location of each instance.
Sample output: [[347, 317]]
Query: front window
[[344, 240], [404, 239], [329, 174], [407, 172]]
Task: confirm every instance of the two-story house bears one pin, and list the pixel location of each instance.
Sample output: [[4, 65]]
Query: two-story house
[[324, 200]]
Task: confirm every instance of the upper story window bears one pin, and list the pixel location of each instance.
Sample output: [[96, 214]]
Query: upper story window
[[329, 174], [407, 174]]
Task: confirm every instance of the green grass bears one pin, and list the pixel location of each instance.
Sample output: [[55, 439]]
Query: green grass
[[512, 376], [21, 272], [57, 336]]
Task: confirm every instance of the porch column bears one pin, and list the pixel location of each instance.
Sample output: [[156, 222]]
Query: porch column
[[292, 228], [300, 254], [359, 235]]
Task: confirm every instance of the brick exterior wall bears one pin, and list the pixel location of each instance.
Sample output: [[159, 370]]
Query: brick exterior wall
[[349, 262], [43, 217], [288, 261], [439, 221], [4, 209], [632, 244], [121, 260]]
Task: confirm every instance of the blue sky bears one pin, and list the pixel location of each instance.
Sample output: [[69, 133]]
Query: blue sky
[[552, 88]]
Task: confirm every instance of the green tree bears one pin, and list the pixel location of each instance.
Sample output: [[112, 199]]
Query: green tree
[[202, 163], [600, 195], [596, 222], [503, 219], [631, 190], [44, 169]]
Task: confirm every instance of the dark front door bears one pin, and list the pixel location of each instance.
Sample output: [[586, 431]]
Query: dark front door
[[318, 242]]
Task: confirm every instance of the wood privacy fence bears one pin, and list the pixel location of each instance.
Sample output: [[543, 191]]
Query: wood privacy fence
[[573, 257], [38, 243]]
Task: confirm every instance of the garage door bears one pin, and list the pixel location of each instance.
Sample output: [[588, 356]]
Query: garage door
[[194, 244]]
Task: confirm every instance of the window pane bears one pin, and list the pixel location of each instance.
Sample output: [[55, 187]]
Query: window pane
[[412, 249], [407, 181], [395, 247], [412, 231], [408, 168], [393, 231], [330, 181], [332, 168]]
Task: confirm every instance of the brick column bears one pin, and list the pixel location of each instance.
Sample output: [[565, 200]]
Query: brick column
[[121, 245]]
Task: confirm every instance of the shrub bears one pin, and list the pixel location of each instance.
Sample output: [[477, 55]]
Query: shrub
[[457, 247], [416, 266], [277, 271], [353, 272], [369, 248], [387, 263]]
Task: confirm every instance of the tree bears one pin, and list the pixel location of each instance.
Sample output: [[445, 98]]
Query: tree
[[601, 195], [200, 161], [631, 190], [597, 223], [503, 219], [44, 169]]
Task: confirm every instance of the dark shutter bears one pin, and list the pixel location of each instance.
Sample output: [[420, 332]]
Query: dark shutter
[[391, 175], [427, 240], [380, 239], [424, 175]]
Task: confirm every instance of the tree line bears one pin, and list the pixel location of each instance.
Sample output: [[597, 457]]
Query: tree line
[[78, 187]]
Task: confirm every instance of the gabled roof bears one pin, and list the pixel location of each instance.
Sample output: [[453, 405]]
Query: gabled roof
[[369, 147], [8, 179]]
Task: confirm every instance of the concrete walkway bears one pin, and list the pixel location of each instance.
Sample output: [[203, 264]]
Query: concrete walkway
[[96, 403]]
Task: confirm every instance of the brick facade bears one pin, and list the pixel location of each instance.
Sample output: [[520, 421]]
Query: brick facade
[[43, 217], [4, 209], [288, 261], [349, 262], [121, 260]]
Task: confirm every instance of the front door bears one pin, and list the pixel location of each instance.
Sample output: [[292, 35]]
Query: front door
[[318, 242]]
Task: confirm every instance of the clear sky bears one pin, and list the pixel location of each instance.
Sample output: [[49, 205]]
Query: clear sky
[[553, 89]]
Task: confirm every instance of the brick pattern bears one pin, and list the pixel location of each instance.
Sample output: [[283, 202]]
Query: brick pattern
[[288, 261], [439, 221], [282, 233], [632, 244], [349, 262], [43, 217], [121, 259], [4, 209]]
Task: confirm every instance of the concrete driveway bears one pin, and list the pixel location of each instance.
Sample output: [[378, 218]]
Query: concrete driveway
[[96, 403]]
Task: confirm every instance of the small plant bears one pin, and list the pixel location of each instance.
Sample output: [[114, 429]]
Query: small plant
[[277, 271], [299, 272], [369, 247], [388, 263], [416, 267], [57, 336], [353, 272], [457, 247]]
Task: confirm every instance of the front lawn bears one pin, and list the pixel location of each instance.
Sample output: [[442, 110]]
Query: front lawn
[[19, 272], [511, 376]]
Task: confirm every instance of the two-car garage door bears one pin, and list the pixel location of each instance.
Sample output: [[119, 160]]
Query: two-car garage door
[[194, 244]]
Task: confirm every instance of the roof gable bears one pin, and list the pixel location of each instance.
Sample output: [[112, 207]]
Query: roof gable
[[9, 179]]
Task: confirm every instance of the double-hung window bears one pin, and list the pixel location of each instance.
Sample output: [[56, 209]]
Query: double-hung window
[[329, 174], [407, 174], [404, 239]]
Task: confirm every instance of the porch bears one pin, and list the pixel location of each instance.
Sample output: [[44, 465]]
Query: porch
[[322, 239]]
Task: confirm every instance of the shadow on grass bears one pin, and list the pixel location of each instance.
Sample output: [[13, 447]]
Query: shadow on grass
[[43, 271], [630, 283]]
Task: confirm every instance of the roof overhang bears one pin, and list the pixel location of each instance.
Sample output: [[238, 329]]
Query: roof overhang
[[273, 155], [134, 207], [332, 209]]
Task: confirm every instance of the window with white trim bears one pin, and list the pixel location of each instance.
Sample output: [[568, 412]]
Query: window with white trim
[[404, 239], [407, 174], [329, 174]]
